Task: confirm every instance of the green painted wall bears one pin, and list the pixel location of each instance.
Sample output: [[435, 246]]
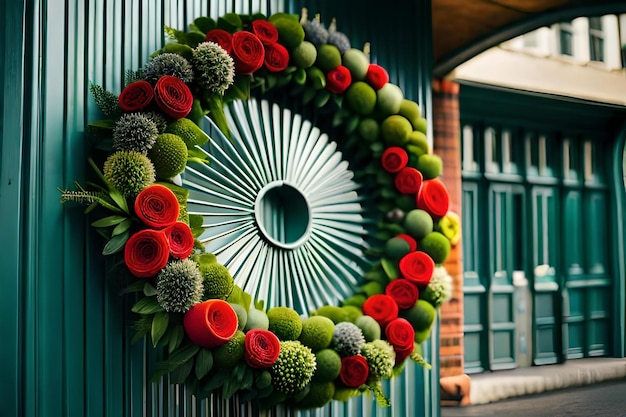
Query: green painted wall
[[67, 348]]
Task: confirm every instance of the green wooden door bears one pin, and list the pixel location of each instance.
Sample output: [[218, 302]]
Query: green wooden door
[[537, 202]]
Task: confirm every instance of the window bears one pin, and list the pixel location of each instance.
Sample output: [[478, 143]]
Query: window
[[566, 39], [596, 39]]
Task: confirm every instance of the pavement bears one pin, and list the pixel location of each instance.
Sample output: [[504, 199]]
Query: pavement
[[494, 386]]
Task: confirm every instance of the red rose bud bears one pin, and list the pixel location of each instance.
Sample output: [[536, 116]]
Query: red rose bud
[[276, 57], [338, 79], [408, 180], [157, 206], [262, 348], [248, 52], [181, 240], [173, 96], [265, 31], [433, 198], [394, 159], [403, 291], [210, 323], [354, 371], [381, 308], [402, 354], [417, 267], [408, 239], [136, 96], [376, 76], [400, 334], [146, 253], [222, 38]]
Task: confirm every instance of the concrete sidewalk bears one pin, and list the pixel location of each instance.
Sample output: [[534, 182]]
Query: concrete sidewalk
[[498, 385]]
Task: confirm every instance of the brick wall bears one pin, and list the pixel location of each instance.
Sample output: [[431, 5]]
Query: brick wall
[[446, 138]]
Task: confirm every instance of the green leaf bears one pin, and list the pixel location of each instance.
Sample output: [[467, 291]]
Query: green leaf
[[230, 22], [147, 305], [159, 326], [419, 359], [377, 391], [390, 267], [142, 327], [179, 374], [204, 363], [204, 24], [135, 287], [109, 221], [214, 381], [149, 290], [116, 244], [122, 227], [322, 98], [119, 199], [177, 332], [177, 358]]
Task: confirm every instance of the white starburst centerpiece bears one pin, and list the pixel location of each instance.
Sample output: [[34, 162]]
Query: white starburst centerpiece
[[280, 208]]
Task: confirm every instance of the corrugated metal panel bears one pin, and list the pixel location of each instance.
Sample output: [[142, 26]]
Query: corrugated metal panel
[[69, 355]]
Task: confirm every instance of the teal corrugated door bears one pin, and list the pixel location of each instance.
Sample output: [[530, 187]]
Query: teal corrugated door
[[67, 350]]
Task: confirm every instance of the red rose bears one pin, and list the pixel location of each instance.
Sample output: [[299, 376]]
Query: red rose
[[222, 38], [338, 79], [136, 96], [417, 267], [381, 308], [354, 371], [146, 253], [181, 240], [248, 52], [408, 239], [403, 291], [276, 57], [376, 76], [400, 334], [402, 354], [157, 206], [394, 159], [210, 323], [265, 31], [262, 348], [408, 180], [173, 96], [433, 198]]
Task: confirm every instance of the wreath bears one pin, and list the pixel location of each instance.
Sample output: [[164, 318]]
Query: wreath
[[216, 337]]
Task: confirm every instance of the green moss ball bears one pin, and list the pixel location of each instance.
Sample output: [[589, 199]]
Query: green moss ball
[[357, 62], [285, 323], [436, 245], [356, 300], [328, 365], [430, 166], [420, 140], [369, 129], [395, 130], [396, 248], [317, 332], [335, 313], [169, 155], [328, 57], [188, 131], [320, 394], [421, 315], [217, 280], [129, 172], [361, 98], [242, 315], [389, 99], [257, 319], [422, 125], [418, 223], [304, 55], [290, 32], [353, 312], [369, 326], [410, 110], [228, 354]]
